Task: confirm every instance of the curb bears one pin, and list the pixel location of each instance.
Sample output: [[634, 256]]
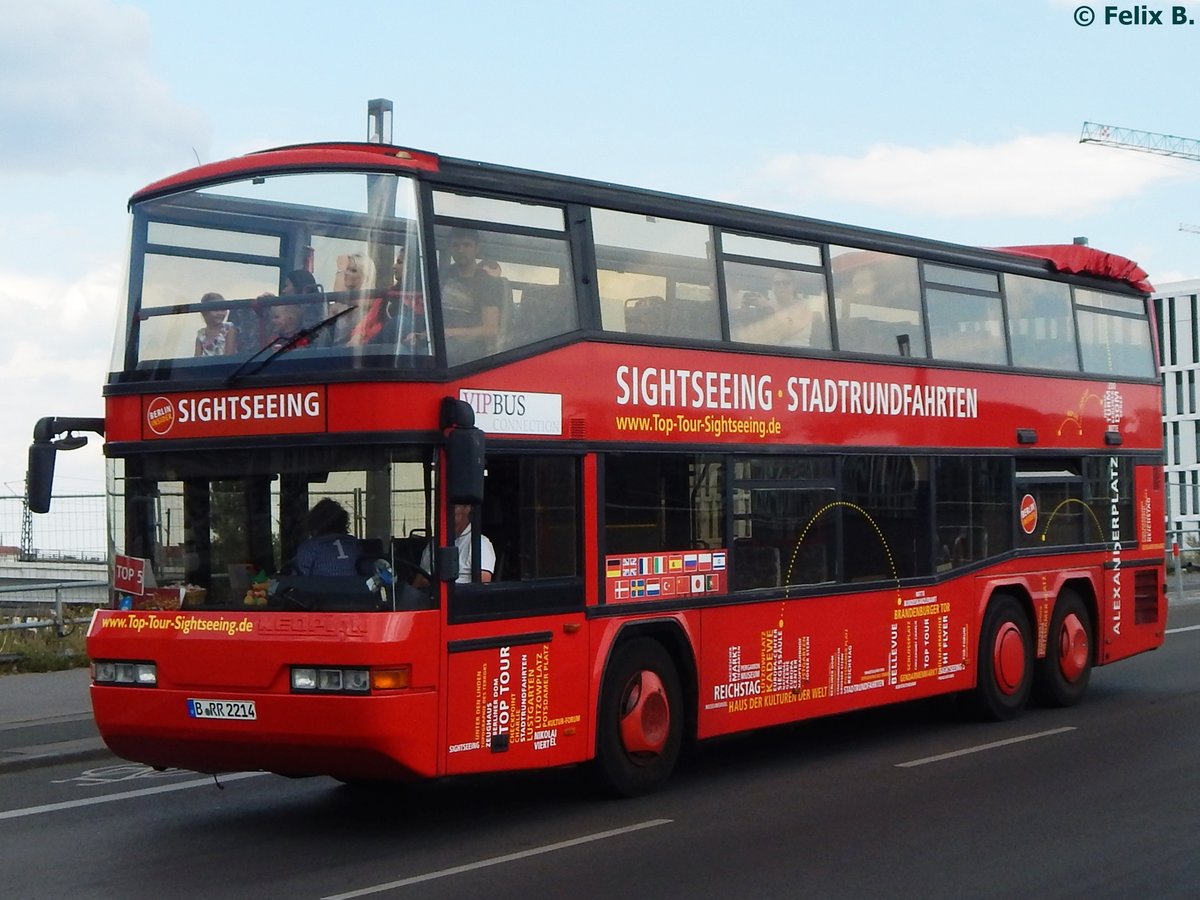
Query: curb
[[42, 755]]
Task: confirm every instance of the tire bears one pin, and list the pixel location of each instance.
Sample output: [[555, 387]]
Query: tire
[[640, 719], [1005, 672], [1061, 677]]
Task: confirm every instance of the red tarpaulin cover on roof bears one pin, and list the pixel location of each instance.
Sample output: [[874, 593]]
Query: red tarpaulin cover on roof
[[1080, 259]]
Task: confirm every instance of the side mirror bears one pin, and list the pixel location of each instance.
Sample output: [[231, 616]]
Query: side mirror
[[446, 564], [39, 479], [465, 465], [50, 435]]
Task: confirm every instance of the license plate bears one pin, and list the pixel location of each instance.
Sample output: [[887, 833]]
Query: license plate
[[221, 709]]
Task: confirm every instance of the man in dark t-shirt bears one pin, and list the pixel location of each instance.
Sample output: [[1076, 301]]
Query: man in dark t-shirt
[[471, 300]]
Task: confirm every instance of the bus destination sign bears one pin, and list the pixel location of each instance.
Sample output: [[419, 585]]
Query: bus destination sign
[[234, 413]]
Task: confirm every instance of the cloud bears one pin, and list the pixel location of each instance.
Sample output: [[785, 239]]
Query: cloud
[[55, 337], [1041, 176], [77, 93]]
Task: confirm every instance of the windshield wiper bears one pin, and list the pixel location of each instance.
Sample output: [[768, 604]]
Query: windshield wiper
[[278, 348]]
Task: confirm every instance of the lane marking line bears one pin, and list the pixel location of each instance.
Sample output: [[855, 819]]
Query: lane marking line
[[1181, 630], [980, 748], [125, 795], [499, 860]]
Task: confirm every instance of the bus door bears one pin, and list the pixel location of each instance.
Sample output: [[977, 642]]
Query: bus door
[[517, 652]]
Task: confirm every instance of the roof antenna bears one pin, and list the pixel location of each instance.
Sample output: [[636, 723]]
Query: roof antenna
[[379, 121], [197, 155]]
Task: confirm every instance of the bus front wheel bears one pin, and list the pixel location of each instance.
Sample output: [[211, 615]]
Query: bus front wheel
[[640, 727], [1061, 677], [1005, 675]]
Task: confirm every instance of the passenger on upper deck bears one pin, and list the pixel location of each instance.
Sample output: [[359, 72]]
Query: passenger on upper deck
[[405, 309], [285, 321], [217, 337], [471, 299], [285, 325], [793, 320], [398, 269], [300, 281], [365, 320]]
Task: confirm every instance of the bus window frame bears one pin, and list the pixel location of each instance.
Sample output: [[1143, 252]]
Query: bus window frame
[[929, 285], [501, 599]]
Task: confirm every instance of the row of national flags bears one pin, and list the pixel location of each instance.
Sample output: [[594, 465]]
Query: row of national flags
[[663, 575]]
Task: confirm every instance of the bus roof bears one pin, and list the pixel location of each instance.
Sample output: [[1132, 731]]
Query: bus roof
[[345, 155], [1079, 259]]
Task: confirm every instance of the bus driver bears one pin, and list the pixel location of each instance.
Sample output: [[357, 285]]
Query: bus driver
[[462, 540]]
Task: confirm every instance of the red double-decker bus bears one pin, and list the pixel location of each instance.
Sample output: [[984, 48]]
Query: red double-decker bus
[[419, 466]]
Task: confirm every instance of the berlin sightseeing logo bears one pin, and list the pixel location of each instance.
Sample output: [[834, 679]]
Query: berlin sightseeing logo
[[160, 415]]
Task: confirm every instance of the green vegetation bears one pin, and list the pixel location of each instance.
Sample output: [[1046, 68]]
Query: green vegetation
[[42, 649]]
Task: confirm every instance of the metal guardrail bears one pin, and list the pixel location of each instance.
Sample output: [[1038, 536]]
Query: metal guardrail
[[26, 606]]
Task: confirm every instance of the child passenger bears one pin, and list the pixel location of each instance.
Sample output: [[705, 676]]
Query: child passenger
[[285, 323], [217, 337]]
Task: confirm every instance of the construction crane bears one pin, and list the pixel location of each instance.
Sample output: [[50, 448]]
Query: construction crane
[[1146, 141]]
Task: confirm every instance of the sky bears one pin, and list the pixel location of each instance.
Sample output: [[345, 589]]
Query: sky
[[957, 120]]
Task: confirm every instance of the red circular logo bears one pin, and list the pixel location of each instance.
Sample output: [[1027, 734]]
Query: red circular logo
[[1028, 513], [160, 415]]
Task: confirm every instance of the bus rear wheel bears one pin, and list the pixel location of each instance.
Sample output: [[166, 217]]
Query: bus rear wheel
[[1005, 675], [1061, 677], [640, 726]]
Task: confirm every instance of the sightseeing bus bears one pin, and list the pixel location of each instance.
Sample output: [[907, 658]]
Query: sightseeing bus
[[619, 470]]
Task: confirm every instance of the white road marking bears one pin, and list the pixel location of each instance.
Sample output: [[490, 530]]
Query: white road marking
[[124, 795], [499, 860], [1186, 628], [979, 749]]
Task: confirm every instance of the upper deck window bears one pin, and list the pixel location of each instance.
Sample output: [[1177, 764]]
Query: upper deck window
[[1040, 325], [1114, 334], [877, 297], [775, 291], [766, 248], [297, 271], [504, 274], [966, 315], [656, 275]]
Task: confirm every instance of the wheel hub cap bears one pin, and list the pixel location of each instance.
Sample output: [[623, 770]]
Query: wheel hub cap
[[645, 715], [1008, 659], [1072, 648]]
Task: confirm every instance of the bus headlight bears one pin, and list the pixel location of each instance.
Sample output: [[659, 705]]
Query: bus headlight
[[329, 680], [120, 672], [304, 679]]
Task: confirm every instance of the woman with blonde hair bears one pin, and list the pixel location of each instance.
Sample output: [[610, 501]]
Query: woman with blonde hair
[[365, 319]]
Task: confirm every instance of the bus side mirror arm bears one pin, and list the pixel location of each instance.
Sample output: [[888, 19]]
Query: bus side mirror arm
[[446, 564], [49, 436]]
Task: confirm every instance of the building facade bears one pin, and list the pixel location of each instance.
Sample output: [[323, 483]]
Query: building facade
[[1177, 309]]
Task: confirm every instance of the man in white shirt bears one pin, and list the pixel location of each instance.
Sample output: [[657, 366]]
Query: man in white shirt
[[462, 540]]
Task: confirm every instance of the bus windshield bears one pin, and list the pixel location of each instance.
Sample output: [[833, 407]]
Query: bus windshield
[[236, 530], [310, 270]]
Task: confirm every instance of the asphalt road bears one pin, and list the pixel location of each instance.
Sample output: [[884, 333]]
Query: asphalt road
[[1102, 800]]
